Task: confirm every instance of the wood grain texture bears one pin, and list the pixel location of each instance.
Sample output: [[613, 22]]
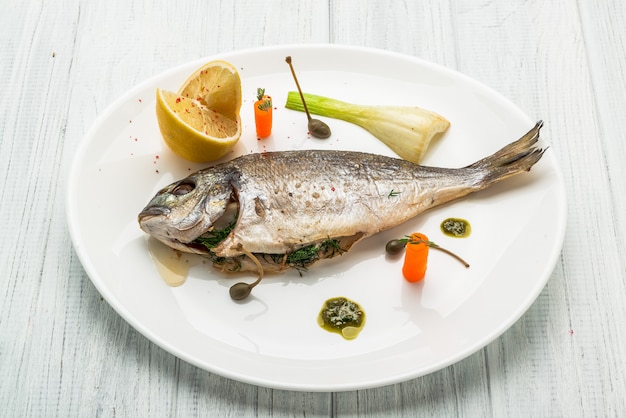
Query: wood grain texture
[[65, 352]]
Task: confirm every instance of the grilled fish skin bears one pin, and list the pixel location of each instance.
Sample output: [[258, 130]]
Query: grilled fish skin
[[275, 203]]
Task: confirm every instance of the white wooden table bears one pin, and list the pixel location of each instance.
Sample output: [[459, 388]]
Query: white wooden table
[[65, 352]]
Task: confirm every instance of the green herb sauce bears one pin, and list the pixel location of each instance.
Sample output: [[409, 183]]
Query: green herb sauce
[[456, 227], [342, 316]]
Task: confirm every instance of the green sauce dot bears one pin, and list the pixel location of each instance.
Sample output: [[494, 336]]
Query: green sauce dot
[[456, 227]]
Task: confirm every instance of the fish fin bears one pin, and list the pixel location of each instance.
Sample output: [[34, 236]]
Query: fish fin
[[512, 159]]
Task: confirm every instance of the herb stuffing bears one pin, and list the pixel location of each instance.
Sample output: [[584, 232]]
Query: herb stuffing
[[213, 238], [300, 258], [307, 255]]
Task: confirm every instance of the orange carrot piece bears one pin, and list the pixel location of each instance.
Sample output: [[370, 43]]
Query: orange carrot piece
[[263, 114], [415, 258]]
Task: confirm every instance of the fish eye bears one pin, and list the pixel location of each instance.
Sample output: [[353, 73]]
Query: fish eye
[[183, 188]]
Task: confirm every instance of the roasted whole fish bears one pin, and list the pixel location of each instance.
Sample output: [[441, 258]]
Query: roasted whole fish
[[279, 210]]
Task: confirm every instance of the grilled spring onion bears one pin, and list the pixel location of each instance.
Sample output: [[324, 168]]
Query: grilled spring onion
[[406, 130]]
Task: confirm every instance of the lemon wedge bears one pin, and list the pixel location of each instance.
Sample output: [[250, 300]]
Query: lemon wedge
[[201, 122]]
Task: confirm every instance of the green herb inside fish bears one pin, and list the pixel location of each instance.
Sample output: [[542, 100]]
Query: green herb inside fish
[[278, 210]]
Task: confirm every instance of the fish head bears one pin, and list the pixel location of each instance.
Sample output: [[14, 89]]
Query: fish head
[[184, 210]]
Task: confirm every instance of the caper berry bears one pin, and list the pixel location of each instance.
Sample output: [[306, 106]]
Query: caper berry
[[395, 246], [241, 290], [318, 128]]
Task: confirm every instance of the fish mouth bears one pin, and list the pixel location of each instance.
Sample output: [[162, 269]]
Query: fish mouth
[[152, 211]]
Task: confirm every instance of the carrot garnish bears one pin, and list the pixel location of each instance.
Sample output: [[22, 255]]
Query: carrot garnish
[[416, 247], [415, 258], [263, 114]]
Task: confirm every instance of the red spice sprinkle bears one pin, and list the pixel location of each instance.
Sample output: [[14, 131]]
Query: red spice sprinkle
[[178, 100], [571, 332], [332, 188], [157, 157], [135, 139], [139, 100]]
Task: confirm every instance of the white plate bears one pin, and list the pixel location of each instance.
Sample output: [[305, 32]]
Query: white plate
[[273, 340]]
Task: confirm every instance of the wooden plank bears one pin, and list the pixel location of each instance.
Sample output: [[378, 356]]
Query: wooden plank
[[65, 352]]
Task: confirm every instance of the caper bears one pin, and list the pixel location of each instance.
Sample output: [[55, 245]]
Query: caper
[[241, 290], [395, 246], [316, 127]]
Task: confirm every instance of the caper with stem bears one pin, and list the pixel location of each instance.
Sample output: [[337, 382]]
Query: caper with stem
[[317, 128], [241, 290]]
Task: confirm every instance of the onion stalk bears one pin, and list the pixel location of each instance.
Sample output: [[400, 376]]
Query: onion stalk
[[406, 130]]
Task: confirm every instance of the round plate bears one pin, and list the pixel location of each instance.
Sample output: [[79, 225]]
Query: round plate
[[273, 339]]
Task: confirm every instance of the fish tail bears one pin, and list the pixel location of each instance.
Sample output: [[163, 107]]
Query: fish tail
[[517, 157]]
